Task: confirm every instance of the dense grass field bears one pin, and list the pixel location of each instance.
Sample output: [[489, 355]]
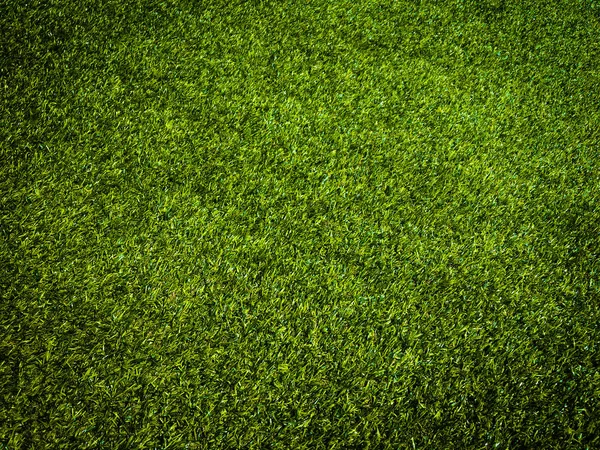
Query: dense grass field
[[318, 224]]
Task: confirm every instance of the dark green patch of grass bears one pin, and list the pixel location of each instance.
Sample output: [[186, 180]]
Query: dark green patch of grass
[[299, 224]]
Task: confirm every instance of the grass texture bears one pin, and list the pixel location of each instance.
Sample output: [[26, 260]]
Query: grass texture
[[299, 224]]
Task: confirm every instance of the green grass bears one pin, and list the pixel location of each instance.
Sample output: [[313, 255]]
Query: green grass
[[299, 224]]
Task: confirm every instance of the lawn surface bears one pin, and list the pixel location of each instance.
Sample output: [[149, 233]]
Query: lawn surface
[[299, 224]]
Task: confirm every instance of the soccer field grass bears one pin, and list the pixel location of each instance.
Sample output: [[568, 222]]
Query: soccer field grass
[[299, 224]]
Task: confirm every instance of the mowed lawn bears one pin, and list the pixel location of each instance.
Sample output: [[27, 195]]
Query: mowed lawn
[[317, 224]]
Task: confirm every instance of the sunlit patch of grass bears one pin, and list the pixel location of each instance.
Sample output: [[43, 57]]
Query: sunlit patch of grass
[[299, 225]]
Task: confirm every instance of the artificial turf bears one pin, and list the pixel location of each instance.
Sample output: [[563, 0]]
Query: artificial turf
[[299, 224]]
